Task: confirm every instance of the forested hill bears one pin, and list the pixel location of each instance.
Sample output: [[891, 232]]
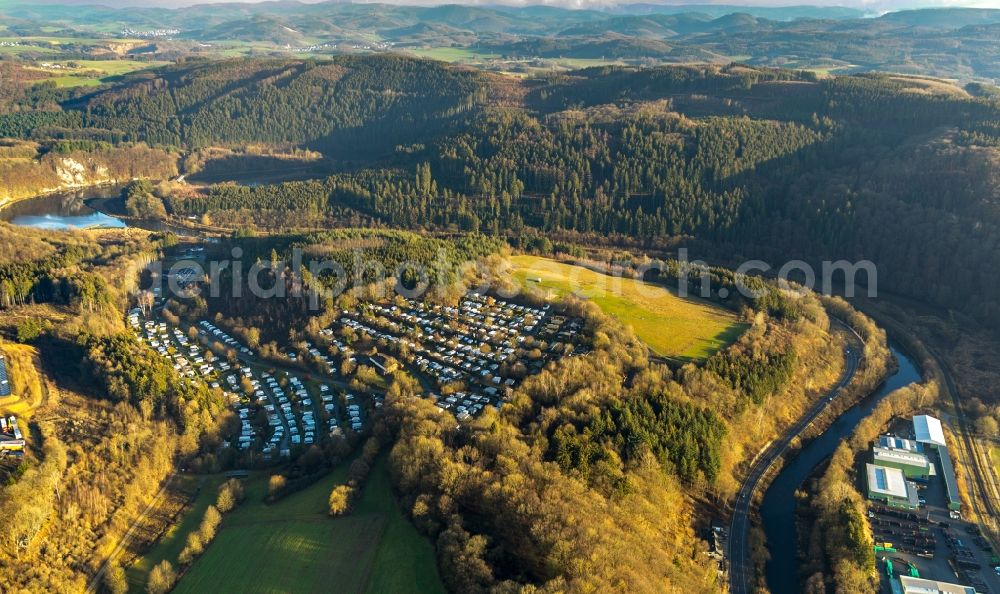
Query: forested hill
[[758, 164], [744, 162], [347, 103]]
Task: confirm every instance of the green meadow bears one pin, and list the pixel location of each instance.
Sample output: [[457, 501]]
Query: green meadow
[[670, 325], [451, 54], [95, 72], [294, 546]]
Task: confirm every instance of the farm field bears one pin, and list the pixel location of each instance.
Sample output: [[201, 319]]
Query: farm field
[[517, 67], [374, 549], [451, 54], [94, 72], [171, 544], [12, 50], [671, 326], [61, 40], [579, 63], [116, 67]]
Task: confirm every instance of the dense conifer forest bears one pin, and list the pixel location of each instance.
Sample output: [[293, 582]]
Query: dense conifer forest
[[739, 161]]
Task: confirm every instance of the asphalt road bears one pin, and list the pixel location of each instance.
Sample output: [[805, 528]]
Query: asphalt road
[[741, 572]]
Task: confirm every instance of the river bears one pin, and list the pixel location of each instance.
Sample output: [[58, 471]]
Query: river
[[778, 508]]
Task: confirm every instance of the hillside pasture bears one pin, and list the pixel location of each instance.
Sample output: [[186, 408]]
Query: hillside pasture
[[91, 73], [200, 492], [294, 546], [671, 326]]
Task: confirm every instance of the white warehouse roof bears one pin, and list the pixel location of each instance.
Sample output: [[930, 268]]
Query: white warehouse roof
[[898, 443], [928, 430], [900, 457], [886, 481], [921, 586]]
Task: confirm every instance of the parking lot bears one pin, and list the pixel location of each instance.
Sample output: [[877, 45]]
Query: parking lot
[[933, 542]]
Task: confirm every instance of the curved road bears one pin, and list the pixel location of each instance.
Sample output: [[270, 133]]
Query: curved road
[[741, 572]]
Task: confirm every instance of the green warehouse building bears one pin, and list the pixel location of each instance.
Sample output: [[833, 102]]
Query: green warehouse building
[[890, 486], [915, 465]]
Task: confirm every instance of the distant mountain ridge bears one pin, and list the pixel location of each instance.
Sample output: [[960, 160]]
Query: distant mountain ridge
[[199, 20], [946, 42]]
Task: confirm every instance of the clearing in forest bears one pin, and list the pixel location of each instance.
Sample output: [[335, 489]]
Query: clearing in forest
[[27, 390], [689, 329], [293, 545]]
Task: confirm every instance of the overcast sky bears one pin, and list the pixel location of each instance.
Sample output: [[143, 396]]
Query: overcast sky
[[874, 5]]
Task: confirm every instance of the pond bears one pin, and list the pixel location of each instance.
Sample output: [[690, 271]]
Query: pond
[[80, 209], [63, 211]]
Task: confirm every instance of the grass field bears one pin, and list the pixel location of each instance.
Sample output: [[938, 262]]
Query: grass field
[[827, 70], [452, 54], [13, 50], [57, 40], [578, 63], [27, 392], [671, 326], [263, 548], [94, 72], [116, 67], [468, 55], [173, 541]]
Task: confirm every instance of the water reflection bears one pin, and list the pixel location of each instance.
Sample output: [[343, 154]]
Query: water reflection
[[95, 220], [62, 211]]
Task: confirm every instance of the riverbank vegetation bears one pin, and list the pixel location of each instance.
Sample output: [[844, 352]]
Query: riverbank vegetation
[[840, 540], [876, 359], [875, 365], [29, 169], [575, 472], [839, 549]]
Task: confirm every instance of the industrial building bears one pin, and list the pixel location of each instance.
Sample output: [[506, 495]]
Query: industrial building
[[890, 486], [893, 442], [913, 464], [928, 430], [4, 380], [11, 439], [950, 482], [912, 585]]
